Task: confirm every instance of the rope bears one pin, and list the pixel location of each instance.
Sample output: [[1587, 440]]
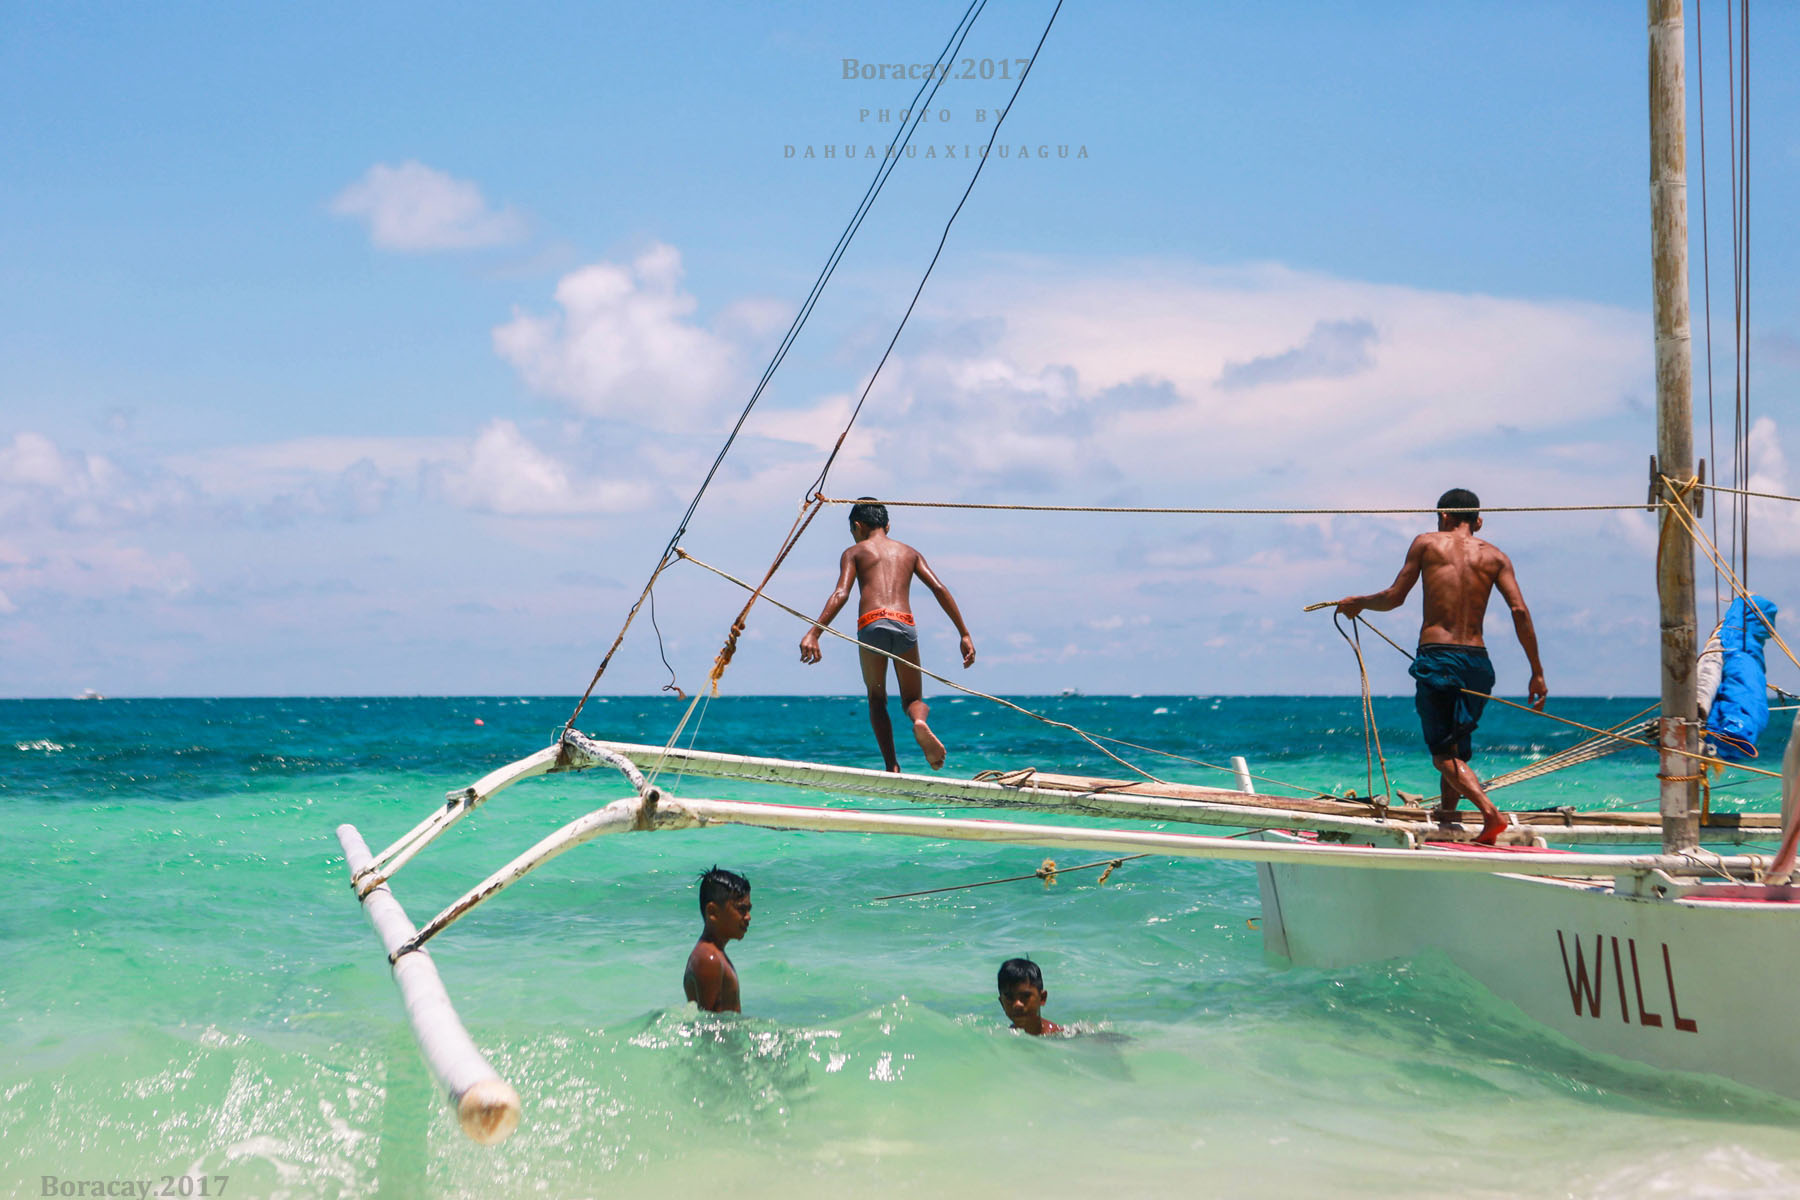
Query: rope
[[1093, 739], [1371, 731], [1702, 758], [617, 642], [1046, 872], [1586, 750], [1712, 451], [726, 652], [1245, 512], [929, 674], [1603, 733], [1681, 513], [810, 506], [818, 484], [890, 161]]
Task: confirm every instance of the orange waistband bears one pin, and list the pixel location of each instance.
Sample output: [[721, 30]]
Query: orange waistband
[[883, 614]]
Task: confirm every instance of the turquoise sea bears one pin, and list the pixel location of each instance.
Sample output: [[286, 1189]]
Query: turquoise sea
[[191, 999]]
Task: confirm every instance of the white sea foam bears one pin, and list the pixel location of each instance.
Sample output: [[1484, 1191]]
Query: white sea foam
[[43, 744]]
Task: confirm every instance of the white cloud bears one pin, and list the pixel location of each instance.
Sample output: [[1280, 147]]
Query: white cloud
[[624, 346], [413, 207], [90, 572], [1200, 386], [505, 474], [42, 484], [1774, 524]]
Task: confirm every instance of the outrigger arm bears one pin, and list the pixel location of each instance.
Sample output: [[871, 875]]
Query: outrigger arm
[[488, 1107]]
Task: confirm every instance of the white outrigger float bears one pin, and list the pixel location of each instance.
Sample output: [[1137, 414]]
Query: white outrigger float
[[1659, 958]]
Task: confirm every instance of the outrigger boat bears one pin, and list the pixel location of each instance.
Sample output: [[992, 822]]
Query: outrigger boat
[[1659, 958]]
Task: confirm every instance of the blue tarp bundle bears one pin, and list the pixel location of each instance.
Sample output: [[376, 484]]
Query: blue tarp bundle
[[1740, 710]]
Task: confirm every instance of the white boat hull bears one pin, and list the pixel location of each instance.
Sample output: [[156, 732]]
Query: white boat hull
[[1688, 985]]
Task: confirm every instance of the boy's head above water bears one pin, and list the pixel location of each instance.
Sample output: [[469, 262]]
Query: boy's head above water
[[725, 903], [1022, 995]]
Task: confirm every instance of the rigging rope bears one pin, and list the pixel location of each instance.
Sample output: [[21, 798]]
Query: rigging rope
[[1047, 873], [1712, 451], [811, 505], [1246, 512], [902, 137], [1606, 733], [1714, 487], [1371, 731], [1681, 513], [1093, 739], [818, 485]]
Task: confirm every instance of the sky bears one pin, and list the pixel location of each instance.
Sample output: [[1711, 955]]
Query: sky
[[377, 349]]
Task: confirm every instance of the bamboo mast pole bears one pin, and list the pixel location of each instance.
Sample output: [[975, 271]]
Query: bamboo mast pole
[[1677, 727]]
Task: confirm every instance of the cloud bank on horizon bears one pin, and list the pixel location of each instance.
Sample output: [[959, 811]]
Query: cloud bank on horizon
[[1040, 380]]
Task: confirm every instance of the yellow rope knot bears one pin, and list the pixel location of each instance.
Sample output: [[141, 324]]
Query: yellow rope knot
[[726, 653], [1047, 872]]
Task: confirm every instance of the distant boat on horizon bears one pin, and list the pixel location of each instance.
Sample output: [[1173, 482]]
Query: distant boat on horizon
[[90, 694]]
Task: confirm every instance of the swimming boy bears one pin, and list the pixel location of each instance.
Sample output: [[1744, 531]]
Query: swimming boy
[[883, 570], [710, 980], [1460, 573], [1022, 996]]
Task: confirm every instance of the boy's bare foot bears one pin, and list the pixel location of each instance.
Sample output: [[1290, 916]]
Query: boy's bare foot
[[928, 742], [1491, 829], [1447, 818]]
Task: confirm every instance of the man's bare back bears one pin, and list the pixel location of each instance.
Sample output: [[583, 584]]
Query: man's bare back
[[882, 570], [1459, 571]]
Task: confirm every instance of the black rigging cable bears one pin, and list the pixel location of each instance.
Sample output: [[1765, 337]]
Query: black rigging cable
[[1712, 452], [1744, 38], [896, 146], [818, 485]]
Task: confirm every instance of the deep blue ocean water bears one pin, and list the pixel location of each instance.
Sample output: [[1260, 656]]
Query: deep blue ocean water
[[188, 988]]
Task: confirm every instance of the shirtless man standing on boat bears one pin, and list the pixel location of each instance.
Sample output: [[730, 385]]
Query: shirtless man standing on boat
[[883, 571], [1460, 572]]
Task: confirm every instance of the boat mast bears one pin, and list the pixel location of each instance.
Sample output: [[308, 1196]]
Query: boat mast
[[1674, 422]]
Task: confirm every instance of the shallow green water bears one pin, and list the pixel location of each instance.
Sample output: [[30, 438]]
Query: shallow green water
[[188, 987]]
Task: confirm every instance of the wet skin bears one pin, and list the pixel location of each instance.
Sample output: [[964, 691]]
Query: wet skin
[[710, 980], [1023, 1006], [1460, 572], [882, 570]]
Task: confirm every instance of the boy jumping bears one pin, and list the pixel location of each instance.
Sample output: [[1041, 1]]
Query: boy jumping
[[710, 980], [883, 571]]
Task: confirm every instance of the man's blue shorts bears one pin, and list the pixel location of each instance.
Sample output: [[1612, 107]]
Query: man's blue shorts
[[1448, 714]]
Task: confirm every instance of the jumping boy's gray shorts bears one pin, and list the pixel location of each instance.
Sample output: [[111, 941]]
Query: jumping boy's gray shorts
[[889, 635]]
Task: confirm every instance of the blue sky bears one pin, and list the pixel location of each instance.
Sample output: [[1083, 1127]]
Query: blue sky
[[375, 349]]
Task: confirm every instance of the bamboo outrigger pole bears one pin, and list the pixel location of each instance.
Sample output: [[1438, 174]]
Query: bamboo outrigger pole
[[1677, 727]]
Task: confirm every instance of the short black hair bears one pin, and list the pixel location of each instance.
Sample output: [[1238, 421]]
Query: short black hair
[[1015, 971], [870, 512], [718, 885], [1461, 498]]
